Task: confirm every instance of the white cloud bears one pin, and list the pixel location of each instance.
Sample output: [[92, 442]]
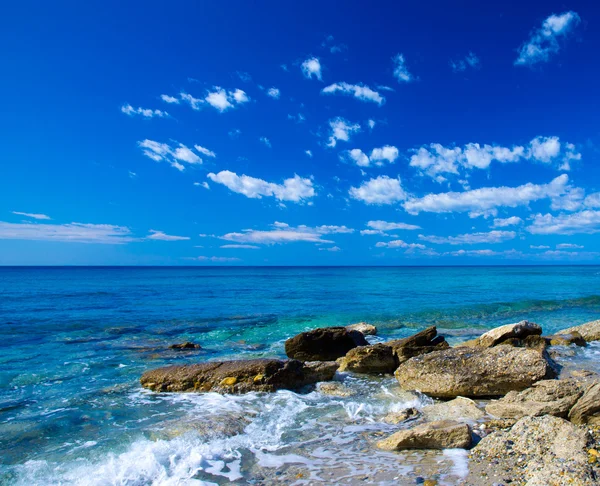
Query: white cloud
[[266, 141], [568, 246], [401, 72], [173, 155], [371, 124], [359, 91], [70, 233], [539, 247], [387, 153], [242, 247], [295, 189], [161, 236], [205, 151], [400, 244], [216, 259], [299, 118], [571, 200], [281, 233], [202, 184], [544, 41], [309, 153], [312, 67], [341, 130], [32, 215], [471, 238], [333, 48], [145, 112], [587, 221], [477, 253], [195, 103], [329, 229], [485, 201], [592, 201], [274, 93], [219, 98], [382, 226], [460, 65], [360, 158], [381, 190], [332, 248], [169, 99], [503, 223]]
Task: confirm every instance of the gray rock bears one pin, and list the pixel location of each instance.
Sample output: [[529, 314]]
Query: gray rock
[[238, 376], [377, 358], [442, 434], [324, 344], [590, 330], [587, 408], [474, 372], [459, 408], [519, 330], [547, 397], [364, 328], [566, 339]]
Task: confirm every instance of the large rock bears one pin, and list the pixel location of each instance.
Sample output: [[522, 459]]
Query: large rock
[[423, 342], [519, 330], [324, 344], [238, 376], [364, 328], [547, 397], [538, 451], [377, 358], [459, 408], [442, 434], [587, 408], [566, 339], [590, 330], [474, 372]]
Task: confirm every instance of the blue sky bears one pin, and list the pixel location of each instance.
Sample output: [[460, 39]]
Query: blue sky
[[272, 133]]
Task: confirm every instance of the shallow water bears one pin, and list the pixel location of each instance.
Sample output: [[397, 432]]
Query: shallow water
[[74, 341]]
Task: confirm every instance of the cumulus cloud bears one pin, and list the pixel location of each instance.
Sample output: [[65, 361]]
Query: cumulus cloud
[[380, 227], [173, 155], [274, 93], [379, 156], [592, 201], [169, 99], [161, 236], [309, 153], [312, 67], [477, 253], [202, 184], [217, 259], [401, 72], [400, 244], [471, 238], [381, 190], [539, 247], [587, 221], [568, 246], [242, 247], [469, 61], [359, 91], [295, 189], [545, 40], [32, 215], [485, 201], [145, 112], [219, 98], [341, 129], [332, 248], [69, 233], [195, 103], [205, 151], [504, 222], [266, 141], [280, 233]]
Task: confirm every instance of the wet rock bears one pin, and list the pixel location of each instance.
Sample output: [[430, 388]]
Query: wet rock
[[394, 418], [459, 408], [324, 344], [364, 328], [238, 376], [590, 331], [442, 434], [187, 346], [539, 451], [474, 372], [587, 408], [335, 389], [520, 330], [423, 342], [377, 358], [565, 339], [547, 397]]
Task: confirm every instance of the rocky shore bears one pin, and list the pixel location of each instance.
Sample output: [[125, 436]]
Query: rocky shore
[[505, 397]]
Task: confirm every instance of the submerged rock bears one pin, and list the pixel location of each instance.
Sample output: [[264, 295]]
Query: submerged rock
[[265, 375], [587, 408], [442, 434], [364, 328], [335, 389], [459, 408], [547, 397], [376, 358], [474, 372], [590, 331], [323, 344], [566, 339], [185, 346], [540, 451], [394, 418]]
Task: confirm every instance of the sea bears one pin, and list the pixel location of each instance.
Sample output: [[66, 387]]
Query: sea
[[74, 342]]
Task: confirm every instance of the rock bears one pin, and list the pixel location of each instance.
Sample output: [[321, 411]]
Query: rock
[[442, 434], [539, 451], [364, 328], [394, 418], [324, 344], [238, 376], [474, 372], [547, 397], [335, 389], [423, 342], [519, 330], [590, 331], [565, 339], [376, 358], [422, 338], [459, 408], [532, 342], [185, 346], [587, 408]]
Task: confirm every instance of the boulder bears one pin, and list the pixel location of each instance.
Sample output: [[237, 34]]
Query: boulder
[[442, 434], [474, 372], [539, 451], [187, 346], [394, 418], [376, 358], [324, 344], [519, 330], [423, 342], [364, 328], [459, 408], [532, 342], [587, 408], [565, 339], [590, 330], [547, 397], [265, 375]]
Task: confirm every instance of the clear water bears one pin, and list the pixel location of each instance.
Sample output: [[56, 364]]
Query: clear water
[[74, 342]]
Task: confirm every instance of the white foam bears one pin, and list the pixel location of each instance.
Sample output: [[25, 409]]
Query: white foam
[[460, 460]]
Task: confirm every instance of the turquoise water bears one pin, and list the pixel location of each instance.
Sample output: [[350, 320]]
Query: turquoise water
[[74, 342]]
